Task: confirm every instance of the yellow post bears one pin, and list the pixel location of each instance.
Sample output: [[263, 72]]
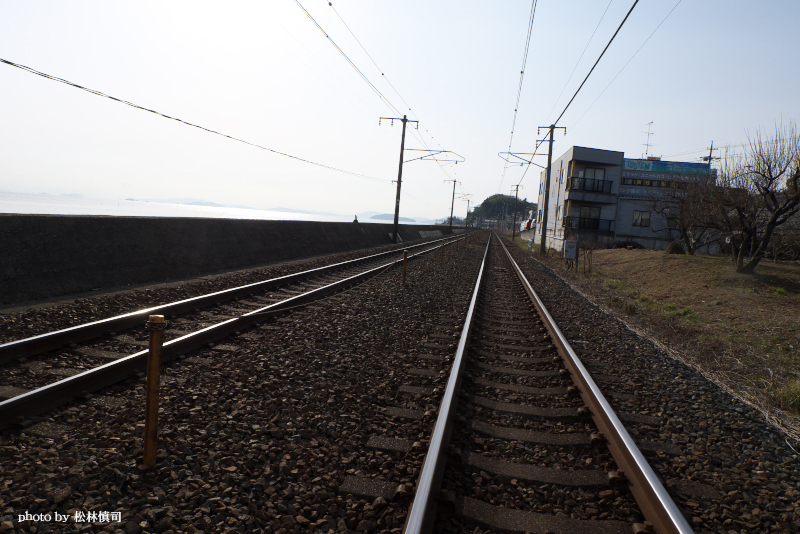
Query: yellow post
[[156, 326], [405, 261]]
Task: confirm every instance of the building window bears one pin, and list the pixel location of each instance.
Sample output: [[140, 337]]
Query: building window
[[651, 183], [590, 212], [558, 213], [641, 218], [594, 174]]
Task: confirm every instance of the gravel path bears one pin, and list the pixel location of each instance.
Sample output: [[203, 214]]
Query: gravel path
[[735, 473]]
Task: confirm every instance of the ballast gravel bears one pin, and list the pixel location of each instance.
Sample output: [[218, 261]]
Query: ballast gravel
[[40, 319], [736, 473], [259, 438]]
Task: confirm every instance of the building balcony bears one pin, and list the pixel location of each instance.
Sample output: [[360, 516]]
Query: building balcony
[[585, 223], [591, 185]]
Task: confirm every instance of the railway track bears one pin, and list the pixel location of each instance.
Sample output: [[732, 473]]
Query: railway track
[[524, 439], [96, 354], [321, 421]]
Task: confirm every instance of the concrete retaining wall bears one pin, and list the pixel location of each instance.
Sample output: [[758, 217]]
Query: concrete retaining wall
[[46, 256]]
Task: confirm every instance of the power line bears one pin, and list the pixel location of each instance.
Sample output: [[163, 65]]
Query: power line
[[626, 64], [598, 60], [579, 59], [519, 88], [538, 144], [369, 56], [368, 115], [386, 100], [345, 56], [131, 104]]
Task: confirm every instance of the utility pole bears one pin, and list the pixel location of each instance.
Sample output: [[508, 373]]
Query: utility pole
[[710, 158], [466, 219], [552, 127], [514, 224], [399, 172], [452, 202], [431, 153]]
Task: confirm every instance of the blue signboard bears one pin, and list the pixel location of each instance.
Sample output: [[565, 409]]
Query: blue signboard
[[671, 167]]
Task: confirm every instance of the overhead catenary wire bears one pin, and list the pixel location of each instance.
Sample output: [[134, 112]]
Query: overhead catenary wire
[[414, 133], [626, 64], [394, 108], [603, 16], [288, 50], [370, 57], [349, 61], [598, 61], [131, 104], [539, 143], [519, 87]]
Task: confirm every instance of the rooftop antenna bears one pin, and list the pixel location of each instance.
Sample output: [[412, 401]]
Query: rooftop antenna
[[647, 145]]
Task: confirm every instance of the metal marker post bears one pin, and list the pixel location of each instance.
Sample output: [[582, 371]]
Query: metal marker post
[[405, 261], [156, 325]]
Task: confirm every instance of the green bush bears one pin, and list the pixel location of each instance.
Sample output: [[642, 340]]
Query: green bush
[[778, 291]]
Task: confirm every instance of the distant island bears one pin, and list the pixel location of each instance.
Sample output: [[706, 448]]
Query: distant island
[[390, 217]]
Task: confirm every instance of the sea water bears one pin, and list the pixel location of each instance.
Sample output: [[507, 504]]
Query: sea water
[[43, 204]]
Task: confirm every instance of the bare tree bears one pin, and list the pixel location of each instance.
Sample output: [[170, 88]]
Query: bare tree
[[686, 212], [785, 242], [759, 190]]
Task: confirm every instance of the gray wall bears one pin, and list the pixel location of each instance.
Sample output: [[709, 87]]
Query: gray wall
[[45, 256]]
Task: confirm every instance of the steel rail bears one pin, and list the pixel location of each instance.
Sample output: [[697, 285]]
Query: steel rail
[[653, 500], [57, 393], [52, 340], [423, 510]]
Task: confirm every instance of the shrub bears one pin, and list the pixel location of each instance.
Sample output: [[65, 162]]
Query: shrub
[[675, 248], [778, 291]]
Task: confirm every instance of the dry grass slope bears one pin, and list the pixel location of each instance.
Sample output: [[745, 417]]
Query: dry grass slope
[[743, 331]]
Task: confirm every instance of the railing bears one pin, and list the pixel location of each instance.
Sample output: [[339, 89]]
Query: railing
[[591, 185], [585, 223]]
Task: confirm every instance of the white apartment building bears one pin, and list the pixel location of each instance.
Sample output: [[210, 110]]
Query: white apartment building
[[600, 195]]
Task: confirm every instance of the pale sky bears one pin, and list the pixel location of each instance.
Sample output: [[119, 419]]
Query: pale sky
[[263, 72]]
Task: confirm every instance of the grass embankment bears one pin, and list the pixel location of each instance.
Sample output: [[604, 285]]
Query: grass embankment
[[742, 330]]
